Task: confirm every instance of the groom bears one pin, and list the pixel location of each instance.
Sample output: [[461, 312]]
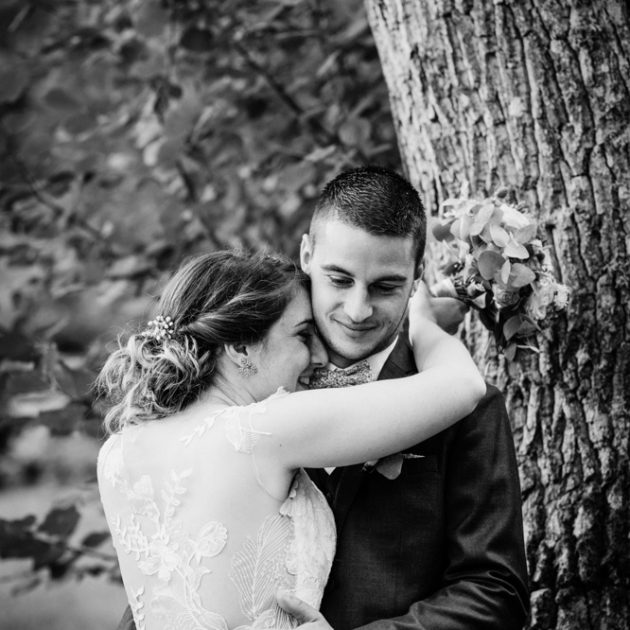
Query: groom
[[431, 539]]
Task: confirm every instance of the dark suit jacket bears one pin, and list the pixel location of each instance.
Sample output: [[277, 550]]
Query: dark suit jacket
[[440, 547]]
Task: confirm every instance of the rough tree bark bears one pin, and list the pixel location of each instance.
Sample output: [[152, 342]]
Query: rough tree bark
[[535, 94]]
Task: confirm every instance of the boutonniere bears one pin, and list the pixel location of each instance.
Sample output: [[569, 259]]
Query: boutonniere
[[391, 466]]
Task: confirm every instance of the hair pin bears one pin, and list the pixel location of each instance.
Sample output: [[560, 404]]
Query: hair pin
[[160, 328]]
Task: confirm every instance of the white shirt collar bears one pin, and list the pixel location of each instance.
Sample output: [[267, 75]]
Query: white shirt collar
[[376, 360]]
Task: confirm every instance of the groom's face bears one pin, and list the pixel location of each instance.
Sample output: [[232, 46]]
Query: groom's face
[[360, 287]]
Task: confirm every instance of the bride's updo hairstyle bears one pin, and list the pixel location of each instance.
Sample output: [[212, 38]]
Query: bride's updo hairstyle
[[225, 297]]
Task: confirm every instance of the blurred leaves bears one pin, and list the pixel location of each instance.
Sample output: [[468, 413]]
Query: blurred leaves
[[50, 547], [135, 133]]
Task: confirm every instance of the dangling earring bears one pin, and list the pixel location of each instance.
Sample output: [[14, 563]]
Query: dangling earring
[[247, 367]]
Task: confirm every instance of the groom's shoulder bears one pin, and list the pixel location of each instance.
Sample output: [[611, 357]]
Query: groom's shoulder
[[492, 399], [490, 416]]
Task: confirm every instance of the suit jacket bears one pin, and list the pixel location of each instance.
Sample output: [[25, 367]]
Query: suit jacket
[[440, 547]]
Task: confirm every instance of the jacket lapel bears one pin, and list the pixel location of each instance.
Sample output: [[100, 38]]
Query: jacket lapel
[[349, 478]]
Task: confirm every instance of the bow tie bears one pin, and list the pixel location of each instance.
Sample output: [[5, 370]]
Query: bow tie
[[336, 377]]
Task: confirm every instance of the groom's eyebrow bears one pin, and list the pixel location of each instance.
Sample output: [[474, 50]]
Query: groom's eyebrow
[[394, 277]]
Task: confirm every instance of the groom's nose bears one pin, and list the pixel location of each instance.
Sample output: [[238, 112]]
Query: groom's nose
[[357, 305]]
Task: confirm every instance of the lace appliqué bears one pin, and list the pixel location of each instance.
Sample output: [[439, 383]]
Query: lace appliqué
[[259, 569], [291, 549], [314, 539], [137, 606], [162, 548], [239, 424]]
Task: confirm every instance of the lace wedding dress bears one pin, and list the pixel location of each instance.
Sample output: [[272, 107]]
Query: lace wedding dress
[[201, 542]]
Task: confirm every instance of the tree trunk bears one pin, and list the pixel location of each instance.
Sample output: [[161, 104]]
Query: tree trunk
[[534, 94]]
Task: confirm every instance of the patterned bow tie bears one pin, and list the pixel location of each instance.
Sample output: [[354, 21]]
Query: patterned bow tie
[[336, 377]]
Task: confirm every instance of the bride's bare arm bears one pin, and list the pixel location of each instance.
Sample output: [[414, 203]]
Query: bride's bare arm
[[344, 426]]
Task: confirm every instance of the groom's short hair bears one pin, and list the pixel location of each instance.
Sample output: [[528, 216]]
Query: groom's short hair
[[377, 200]]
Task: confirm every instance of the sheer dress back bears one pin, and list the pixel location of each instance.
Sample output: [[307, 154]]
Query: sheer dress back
[[201, 542]]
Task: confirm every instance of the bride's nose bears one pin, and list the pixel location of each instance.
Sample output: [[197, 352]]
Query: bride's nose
[[319, 356]]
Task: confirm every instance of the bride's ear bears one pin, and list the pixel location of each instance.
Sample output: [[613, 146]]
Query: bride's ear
[[236, 352]]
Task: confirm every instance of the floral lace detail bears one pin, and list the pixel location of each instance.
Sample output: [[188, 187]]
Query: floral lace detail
[[137, 605], [165, 555], [162, 548], [313, 543]]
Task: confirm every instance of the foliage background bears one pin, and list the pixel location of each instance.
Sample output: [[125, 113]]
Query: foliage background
[[134, 133]]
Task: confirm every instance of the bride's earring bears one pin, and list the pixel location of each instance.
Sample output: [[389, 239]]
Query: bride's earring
[[247, 367]]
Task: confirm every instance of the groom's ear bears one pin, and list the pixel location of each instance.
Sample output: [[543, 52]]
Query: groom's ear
[[419, 271], [306, 253]]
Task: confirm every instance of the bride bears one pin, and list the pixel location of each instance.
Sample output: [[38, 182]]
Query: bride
[[201, 478]]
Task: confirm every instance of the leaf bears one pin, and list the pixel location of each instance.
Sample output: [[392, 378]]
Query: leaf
[[516, 250], [498, 235], [48, 557], [481, 301], [526, 234], [505, 271], [390, 467], [26, 587], [513, 218], [14, 79], [16, 347], [17, 541], [80, 124], [489, 263], [510, 352], [197, 40], [57, 98], [32, 404], [520, 275], [354, 132], [60, 522], [95, 539], [461, 227], [64, 421], [129, 267], [295, 176], [320, 153], [442, 230], [481, 218], [512, 327], [151, 18], [76, 383]]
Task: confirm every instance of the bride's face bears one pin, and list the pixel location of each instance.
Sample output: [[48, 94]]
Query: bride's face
[[291, 349]]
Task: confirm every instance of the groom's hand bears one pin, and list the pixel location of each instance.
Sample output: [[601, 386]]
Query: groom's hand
[[307, 616]]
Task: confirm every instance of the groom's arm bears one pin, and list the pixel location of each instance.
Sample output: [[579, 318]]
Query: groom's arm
[[126, 623], [484, 583]]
